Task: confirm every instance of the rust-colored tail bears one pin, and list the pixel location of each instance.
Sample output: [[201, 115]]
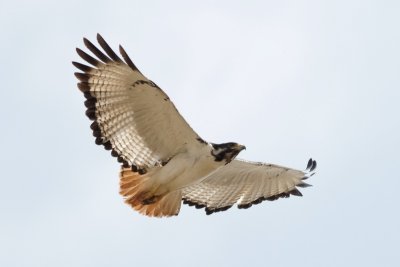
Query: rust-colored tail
[[133, 188]]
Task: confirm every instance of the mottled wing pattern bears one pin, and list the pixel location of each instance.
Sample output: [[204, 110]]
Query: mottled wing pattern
[[246, 183], [132, 116]]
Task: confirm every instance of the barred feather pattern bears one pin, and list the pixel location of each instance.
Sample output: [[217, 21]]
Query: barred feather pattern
[[132, 116], [246, 183], [136, 121]]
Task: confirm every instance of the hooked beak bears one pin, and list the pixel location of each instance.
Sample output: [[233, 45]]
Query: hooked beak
[[241, 147]]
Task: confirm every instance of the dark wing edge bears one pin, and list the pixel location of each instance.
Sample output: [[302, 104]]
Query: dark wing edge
[[309, 171], [106, 69], [91, 100]]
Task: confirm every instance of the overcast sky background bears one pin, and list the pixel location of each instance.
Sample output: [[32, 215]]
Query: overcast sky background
[[289, 79]]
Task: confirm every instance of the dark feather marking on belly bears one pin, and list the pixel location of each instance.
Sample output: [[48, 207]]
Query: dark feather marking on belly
[[201, 140]]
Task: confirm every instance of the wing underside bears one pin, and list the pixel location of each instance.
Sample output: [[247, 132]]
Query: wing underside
[[245, 184], [131, 115]]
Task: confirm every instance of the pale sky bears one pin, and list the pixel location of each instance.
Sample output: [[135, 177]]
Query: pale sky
[[289, 79]]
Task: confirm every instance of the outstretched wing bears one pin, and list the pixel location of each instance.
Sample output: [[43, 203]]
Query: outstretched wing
[[246, 183], [132, 116]]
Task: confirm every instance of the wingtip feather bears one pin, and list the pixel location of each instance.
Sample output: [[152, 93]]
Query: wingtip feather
[[107, 48], [314, 166], [127, 59]]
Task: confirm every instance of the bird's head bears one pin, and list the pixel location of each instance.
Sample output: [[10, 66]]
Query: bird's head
[[226, 151]]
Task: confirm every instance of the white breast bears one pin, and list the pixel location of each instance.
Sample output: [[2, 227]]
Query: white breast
[[186, 169]]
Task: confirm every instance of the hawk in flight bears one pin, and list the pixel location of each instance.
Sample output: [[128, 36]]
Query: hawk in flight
[[164, 161]]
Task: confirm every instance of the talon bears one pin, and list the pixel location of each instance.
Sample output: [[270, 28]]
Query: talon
[[150, 200]]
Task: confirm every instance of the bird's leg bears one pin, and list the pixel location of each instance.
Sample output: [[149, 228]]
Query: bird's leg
[[153, 199], [150, 200], [151, 196]]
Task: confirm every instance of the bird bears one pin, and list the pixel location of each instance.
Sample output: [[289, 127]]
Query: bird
[[164, 162]]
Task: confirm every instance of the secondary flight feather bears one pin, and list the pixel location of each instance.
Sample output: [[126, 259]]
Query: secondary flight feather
[[164, 162]]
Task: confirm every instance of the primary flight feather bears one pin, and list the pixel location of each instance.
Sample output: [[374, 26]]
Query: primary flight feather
[[164, 161]]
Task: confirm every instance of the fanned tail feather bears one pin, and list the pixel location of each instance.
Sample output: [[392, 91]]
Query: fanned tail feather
[[134, 186]]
